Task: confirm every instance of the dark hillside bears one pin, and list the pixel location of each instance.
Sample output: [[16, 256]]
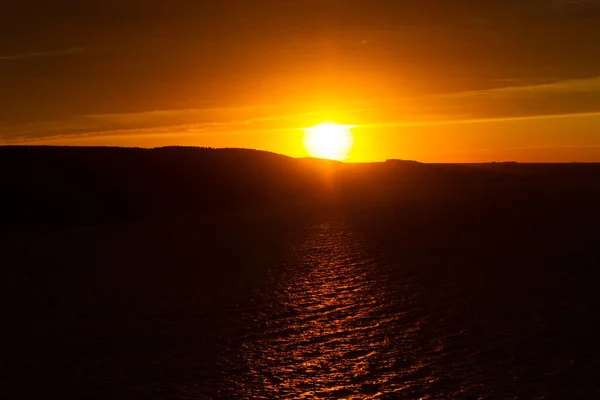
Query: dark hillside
[[87, 185]]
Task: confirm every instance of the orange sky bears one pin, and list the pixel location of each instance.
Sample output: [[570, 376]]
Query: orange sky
[[537, 138], [475, 81]]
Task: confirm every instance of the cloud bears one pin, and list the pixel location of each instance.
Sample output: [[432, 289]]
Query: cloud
[[564, 86], [215, 121], [575, 98], [42, 54], [542, 100]]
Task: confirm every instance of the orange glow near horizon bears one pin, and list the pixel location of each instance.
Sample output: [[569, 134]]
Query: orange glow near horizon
[[384, 79], [357, 136], [328, 140]]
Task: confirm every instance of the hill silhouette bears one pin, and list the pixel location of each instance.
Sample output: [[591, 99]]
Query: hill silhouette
[[90, 184], [80, 185]]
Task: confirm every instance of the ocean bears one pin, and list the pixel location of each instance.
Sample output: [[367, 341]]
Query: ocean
[[417, 301]]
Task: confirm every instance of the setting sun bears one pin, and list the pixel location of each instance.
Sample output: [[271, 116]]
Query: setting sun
[[328, 140]]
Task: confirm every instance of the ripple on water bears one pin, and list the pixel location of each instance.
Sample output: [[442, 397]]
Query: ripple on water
[[329, 328]]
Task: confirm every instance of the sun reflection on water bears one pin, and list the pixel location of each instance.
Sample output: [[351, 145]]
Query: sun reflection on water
[[328, 331]]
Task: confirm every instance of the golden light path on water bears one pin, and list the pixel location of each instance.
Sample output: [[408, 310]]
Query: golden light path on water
[[329, 332]]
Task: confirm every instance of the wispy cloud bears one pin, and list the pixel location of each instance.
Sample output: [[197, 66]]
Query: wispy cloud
[[568, 85], [463, 121], [560, 99], [197, 122], [213, 121], [41, 54]]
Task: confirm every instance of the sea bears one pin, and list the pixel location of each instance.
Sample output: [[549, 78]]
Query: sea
[[391, 301]]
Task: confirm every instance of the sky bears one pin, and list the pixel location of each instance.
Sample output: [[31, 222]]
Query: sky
[[429, 80]]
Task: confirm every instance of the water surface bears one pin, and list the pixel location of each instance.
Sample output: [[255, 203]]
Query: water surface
[[324, 304]]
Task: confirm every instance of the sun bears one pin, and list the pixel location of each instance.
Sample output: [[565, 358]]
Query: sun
[[328, 140]]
